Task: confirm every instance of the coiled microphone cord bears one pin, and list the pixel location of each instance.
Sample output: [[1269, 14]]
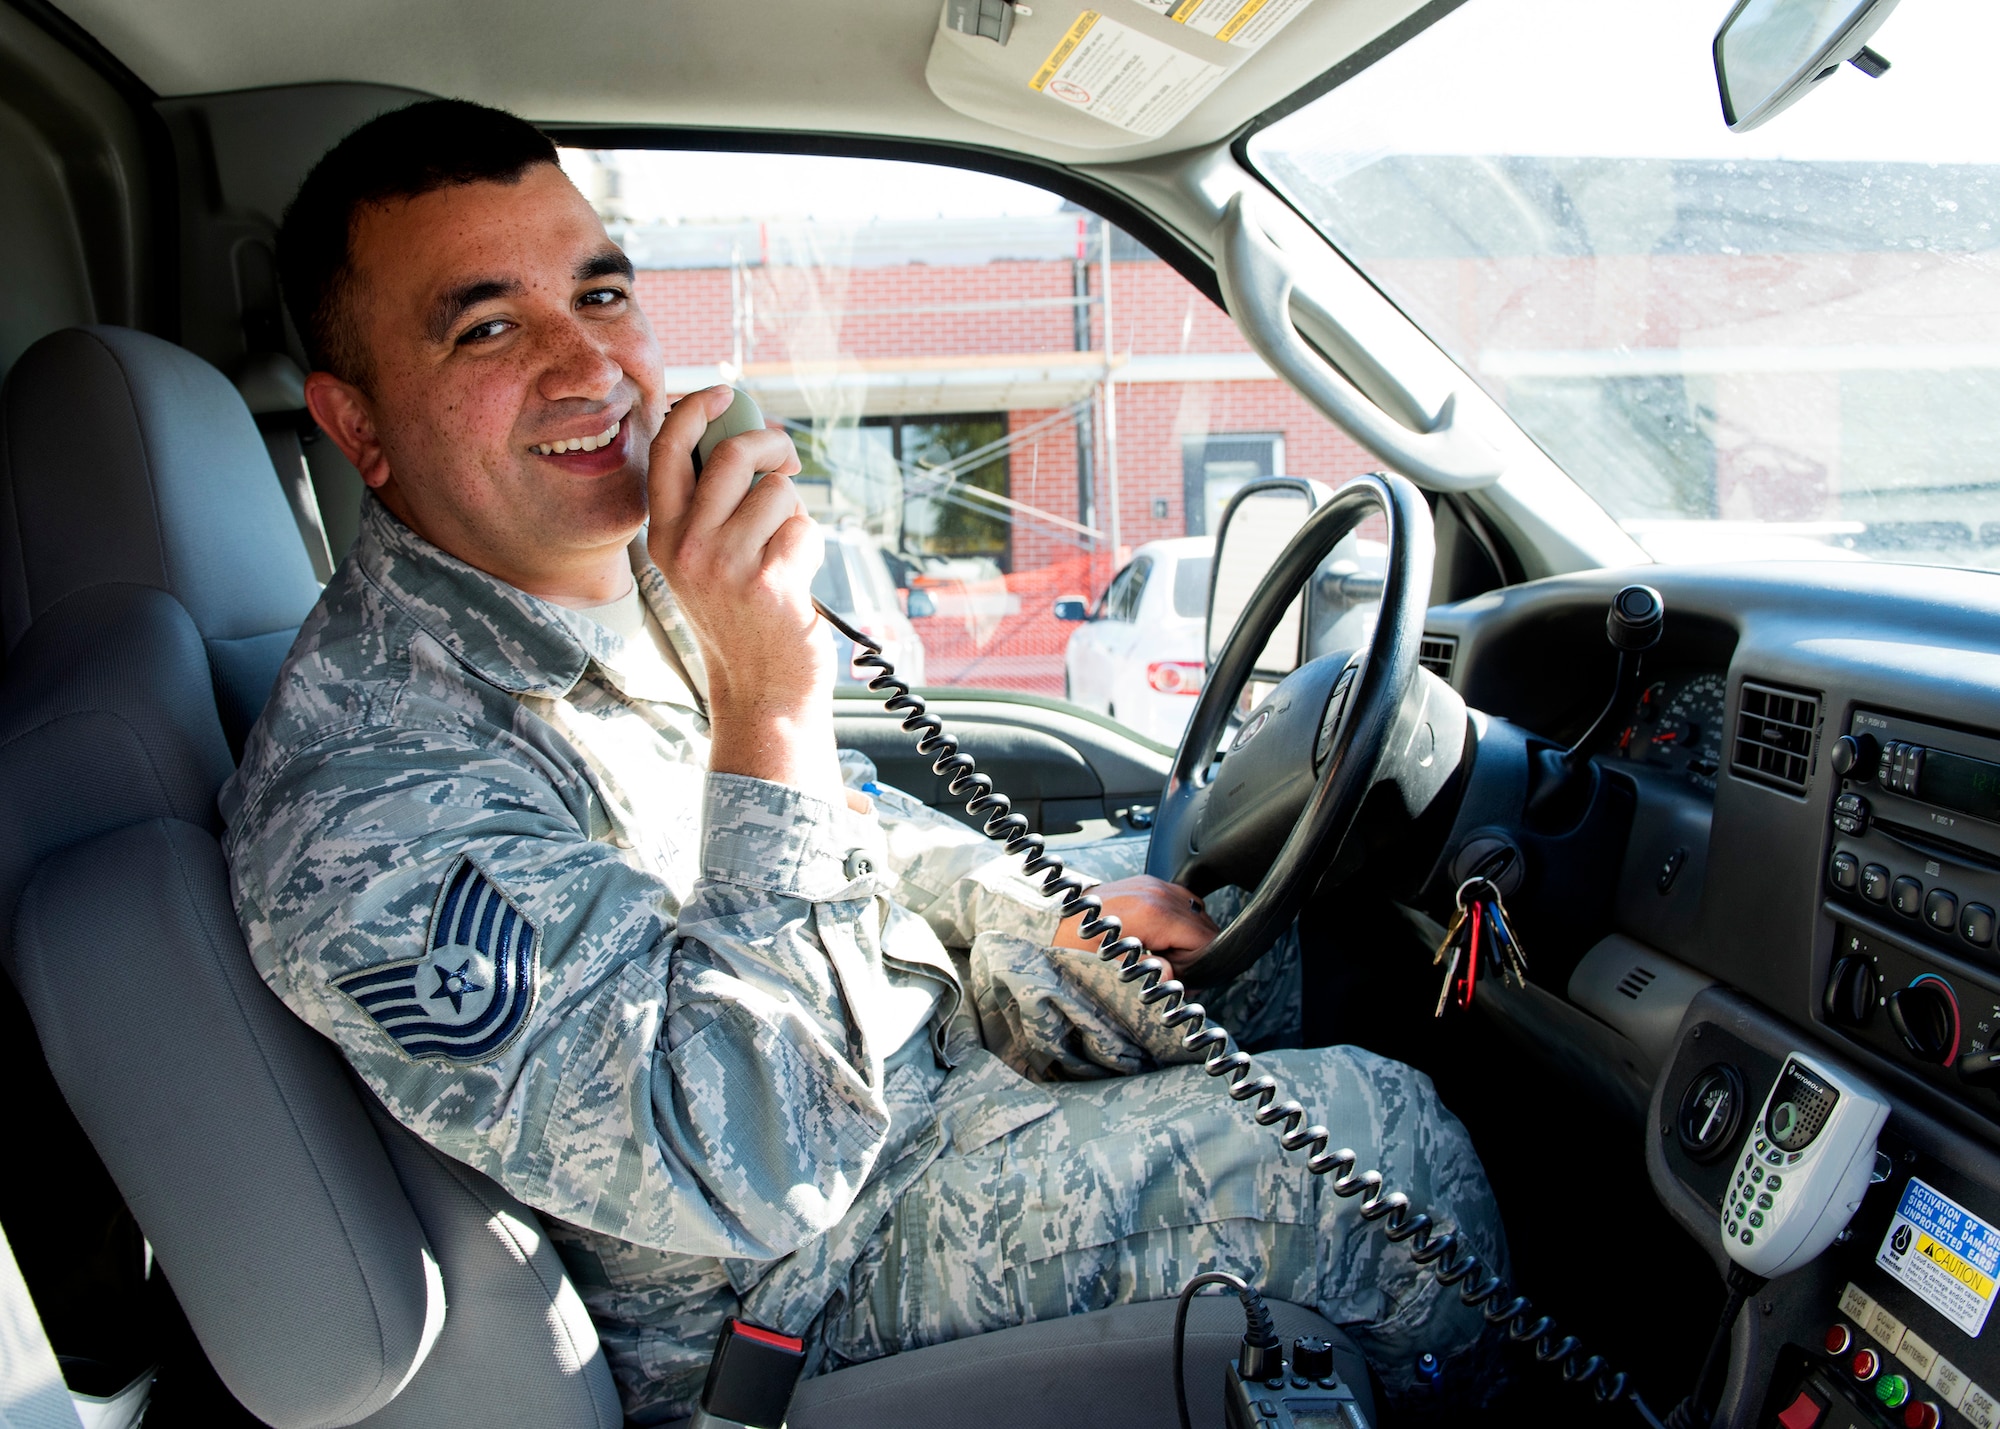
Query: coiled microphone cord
[[1439, 1251]]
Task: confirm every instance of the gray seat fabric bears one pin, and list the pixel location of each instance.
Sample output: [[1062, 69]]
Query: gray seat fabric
[[500, 1267], [1104, 1370], [106, 716], [316, 1286], [331, 1279], [126, 459], [230, 1128]]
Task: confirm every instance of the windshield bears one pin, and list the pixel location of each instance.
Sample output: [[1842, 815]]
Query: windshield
[[1778, 343]]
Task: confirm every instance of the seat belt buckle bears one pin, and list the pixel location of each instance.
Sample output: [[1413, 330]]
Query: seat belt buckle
[[750, 1379]]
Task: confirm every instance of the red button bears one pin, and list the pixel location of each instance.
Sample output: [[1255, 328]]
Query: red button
[[1864, 1365], [1922, 1414], [1803, 1414], [1838, 1338]]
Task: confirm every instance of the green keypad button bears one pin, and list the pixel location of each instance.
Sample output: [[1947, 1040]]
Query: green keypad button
[[1774, 1182], [1756, 1219], [1763, 1203], [1756, 1173], [1748, 1237]]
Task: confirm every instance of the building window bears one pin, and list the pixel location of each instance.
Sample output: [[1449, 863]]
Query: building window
[[922, 483], [1217, 466], [946, 462]]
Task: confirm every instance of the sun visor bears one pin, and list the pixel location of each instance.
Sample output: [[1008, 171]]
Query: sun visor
[[1107, 75]]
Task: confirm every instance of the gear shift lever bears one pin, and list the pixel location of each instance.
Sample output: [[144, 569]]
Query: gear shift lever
[[1633, 626], [1562, 780]]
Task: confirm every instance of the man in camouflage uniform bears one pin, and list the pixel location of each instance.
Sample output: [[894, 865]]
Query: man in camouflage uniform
[[543, 827]]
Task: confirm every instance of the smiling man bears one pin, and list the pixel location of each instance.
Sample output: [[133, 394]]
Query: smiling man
[[545, 828]]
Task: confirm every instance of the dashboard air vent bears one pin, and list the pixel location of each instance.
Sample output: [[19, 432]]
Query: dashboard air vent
[[1438, 653], [1636, 981], [1774, 736]]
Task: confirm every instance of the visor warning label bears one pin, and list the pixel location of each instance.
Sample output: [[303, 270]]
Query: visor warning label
[[1114, 73], [1243, 23], [1943, 1252]]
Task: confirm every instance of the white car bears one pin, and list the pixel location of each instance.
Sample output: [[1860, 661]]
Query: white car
[[1138, 657], [853, 582]]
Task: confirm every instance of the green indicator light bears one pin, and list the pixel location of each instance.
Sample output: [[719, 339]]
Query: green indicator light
[[1892, 1390]]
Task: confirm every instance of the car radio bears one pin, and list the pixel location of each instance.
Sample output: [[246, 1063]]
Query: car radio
[[1917, 829]]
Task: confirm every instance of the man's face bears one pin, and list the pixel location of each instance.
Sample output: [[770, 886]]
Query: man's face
[[499, 324]]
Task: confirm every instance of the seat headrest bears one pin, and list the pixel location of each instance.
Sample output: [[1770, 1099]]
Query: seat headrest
[[124, 458]]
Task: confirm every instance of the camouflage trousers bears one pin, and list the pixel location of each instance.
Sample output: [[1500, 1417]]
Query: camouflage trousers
[[1135, 1184]]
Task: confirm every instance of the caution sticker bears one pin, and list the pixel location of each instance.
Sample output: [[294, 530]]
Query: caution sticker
[[1112, 72], [1946, 1254], [1243, 23]]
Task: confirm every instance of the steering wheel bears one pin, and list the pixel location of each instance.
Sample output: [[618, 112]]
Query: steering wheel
[[1273, 810]]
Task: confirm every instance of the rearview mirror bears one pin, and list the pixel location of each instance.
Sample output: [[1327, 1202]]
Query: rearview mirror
[[919, 605], [1072, 607], [1260, 520], [1770, 52]]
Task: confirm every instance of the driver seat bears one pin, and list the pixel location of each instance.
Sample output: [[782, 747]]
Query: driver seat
[[335, 1269]]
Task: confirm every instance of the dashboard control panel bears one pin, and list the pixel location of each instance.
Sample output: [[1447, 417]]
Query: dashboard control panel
[[1893, 1324], [1896, 1000], [1916, 829]]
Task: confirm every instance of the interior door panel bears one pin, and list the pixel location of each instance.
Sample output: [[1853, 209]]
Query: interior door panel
[[1066, 773]]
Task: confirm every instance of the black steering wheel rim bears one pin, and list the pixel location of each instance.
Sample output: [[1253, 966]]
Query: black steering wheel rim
[[1360, 743]]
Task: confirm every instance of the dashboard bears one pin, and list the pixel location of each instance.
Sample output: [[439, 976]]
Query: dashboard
[[1727, 750], [1796, 823]]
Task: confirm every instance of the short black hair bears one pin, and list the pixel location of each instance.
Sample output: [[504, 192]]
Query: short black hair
[[403, 154]]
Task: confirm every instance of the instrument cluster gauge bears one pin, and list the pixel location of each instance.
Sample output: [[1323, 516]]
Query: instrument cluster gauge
[[1710, 1112], [1677, 724]]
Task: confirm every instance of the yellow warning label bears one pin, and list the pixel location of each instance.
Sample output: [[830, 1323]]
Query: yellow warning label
[[1243, 23], [1237, 21], [1956, 1266], [1124, 76], [1065, 47]]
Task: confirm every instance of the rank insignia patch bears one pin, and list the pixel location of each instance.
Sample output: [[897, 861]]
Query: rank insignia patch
[[468, 996]]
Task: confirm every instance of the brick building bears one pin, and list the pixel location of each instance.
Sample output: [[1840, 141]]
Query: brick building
[[952, 389]]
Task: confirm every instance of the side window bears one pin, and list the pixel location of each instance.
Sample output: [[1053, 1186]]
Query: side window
[[1112, 607], [1135, 590], [936, 342], [1191, 587]]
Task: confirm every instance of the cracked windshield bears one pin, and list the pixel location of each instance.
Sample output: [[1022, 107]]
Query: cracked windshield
[[1779, 343], [1018, 426]]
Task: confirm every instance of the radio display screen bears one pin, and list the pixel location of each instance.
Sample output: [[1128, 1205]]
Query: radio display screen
[[1970, 786]]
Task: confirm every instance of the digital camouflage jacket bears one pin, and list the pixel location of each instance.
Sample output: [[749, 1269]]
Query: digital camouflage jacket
[[706, 1023]]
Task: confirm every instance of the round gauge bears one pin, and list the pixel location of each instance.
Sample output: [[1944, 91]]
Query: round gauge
[[1711, 1111], [1633, 739], [1693, 714]]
